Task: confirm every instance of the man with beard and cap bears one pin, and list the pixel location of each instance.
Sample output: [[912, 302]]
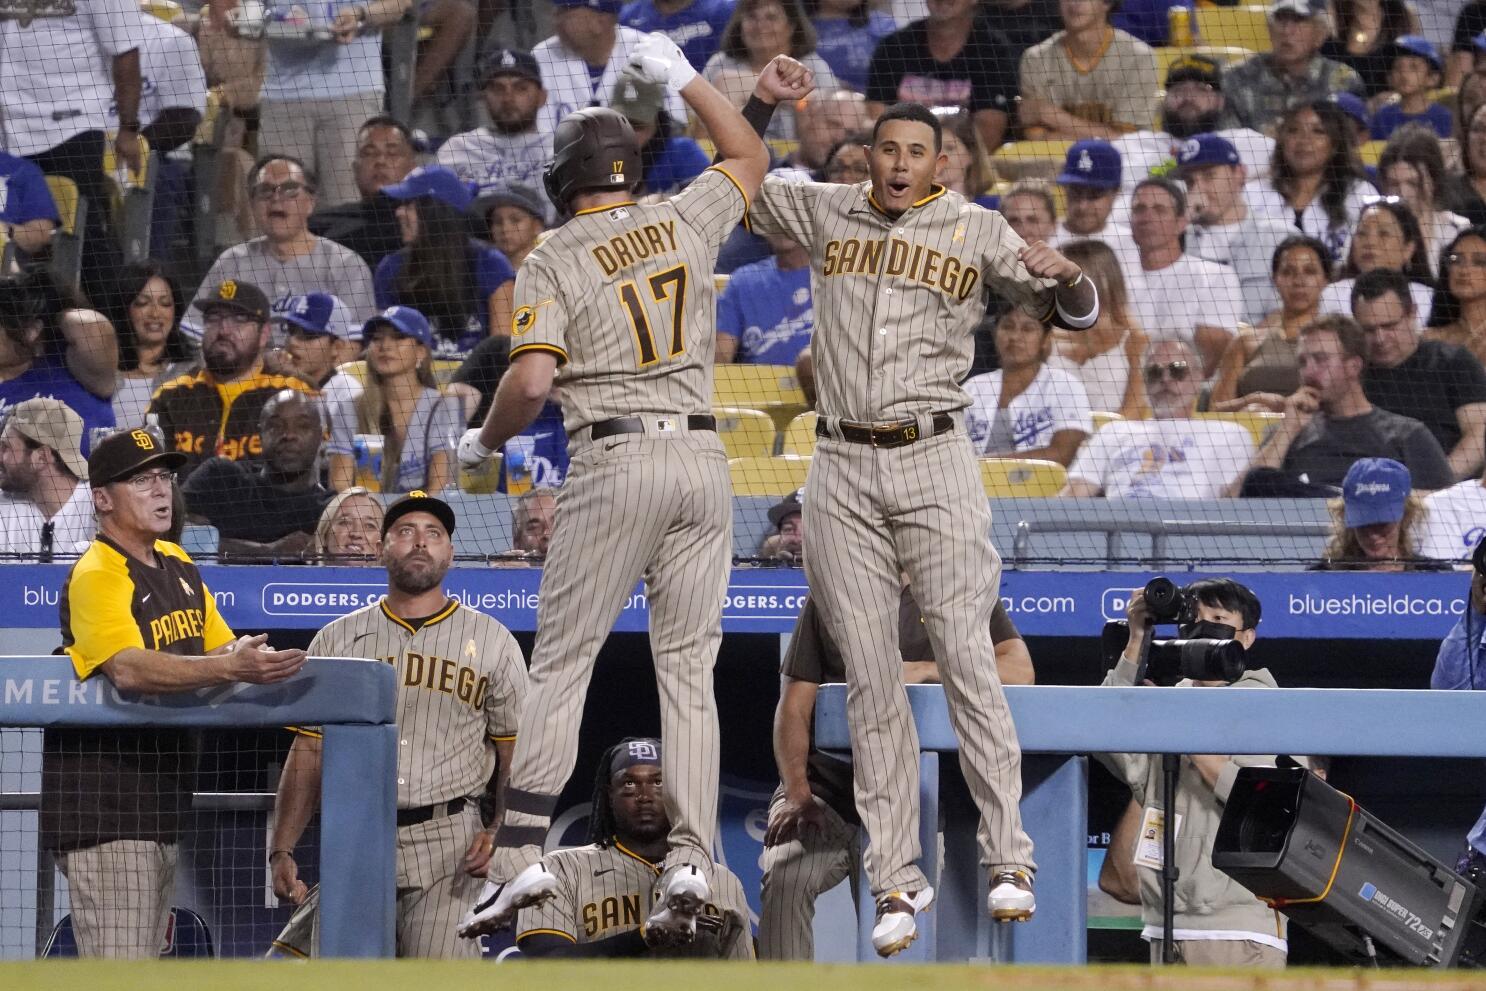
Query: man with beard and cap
[[604, 890], [513, 149], [49, 510], [1173, 455], [1193, 104], [460, 681], [269, 509], [216, 411]]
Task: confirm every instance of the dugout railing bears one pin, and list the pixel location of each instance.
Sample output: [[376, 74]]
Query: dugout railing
[[355, 703]]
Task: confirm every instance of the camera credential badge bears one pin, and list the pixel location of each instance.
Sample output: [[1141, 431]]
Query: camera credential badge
[[1149, 851]]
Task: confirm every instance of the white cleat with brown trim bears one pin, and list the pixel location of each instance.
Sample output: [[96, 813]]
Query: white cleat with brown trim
[[897, 920], [1011, 898]]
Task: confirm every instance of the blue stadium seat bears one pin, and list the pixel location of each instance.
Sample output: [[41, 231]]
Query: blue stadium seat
[[187, 937]]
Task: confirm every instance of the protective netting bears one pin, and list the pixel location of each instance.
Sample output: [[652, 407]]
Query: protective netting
[[1225, 175]]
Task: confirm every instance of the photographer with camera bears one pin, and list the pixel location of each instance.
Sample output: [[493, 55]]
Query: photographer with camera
[[1461, 665], [1214, 920]]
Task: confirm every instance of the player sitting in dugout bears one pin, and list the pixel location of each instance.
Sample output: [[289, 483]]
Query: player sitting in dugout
[[605, 890]]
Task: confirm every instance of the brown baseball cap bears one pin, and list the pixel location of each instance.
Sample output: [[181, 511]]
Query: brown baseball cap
[[126, 453], [230, 294], [418, 501], [52, 423]]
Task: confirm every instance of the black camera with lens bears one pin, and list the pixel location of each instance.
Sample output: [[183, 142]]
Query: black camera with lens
[[1202, 651]]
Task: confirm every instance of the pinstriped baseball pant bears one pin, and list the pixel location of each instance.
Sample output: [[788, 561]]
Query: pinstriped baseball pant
[[795, 875], [632, 506], [870, 512]]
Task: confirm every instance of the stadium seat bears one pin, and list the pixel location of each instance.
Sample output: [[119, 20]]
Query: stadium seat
[[771, 388], [1371, 152], [186, 937], [444, 369], [720, 282], [1030, 159], [166, 10], [799, 436], [206, 165], [1166, 55], [1009, 478], [67, 243], [1102, 419], [745, 433], [1234, 27], [768, 476], [1257, 424], [356, 369]]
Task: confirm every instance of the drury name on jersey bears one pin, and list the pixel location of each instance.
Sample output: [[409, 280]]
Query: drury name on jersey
[[635, 245], [903, 259]]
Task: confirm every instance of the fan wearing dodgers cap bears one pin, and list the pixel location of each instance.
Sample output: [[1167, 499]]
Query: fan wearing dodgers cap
[[1224, 228], [133, 608], [322, 337], [1414, 73], [581, 62], [512, 149], [1376, 525], [417, 424], [1091, 179], [461, 284]]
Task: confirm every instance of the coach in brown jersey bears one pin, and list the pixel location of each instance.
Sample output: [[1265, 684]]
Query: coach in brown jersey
[[134, 608], [900, 265], [618, 302]]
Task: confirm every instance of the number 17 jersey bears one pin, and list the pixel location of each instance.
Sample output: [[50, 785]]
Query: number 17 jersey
[[623, 297]]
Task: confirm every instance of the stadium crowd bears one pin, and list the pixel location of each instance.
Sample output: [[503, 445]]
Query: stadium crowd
[[287, 240]]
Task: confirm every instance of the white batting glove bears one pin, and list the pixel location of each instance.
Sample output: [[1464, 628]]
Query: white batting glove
[[657, 59], [473, 454]]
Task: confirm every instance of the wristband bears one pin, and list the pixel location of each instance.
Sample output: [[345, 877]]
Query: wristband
[[129, 125], [758, 113], [1075, 281], [274, 853]]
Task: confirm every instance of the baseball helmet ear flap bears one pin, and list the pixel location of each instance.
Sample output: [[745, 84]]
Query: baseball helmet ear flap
[[593, 149]]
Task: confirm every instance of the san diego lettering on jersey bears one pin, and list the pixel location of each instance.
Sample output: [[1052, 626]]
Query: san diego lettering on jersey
[[623, 910], [441, 674], [635, 245], [904, 259]]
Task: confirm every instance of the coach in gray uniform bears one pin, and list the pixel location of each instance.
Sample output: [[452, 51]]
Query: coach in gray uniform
[[899, 266], [461, 680], [619, 304]]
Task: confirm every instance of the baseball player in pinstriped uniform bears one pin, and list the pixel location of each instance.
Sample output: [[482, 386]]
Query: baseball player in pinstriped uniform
[[812, 842], [620, 299], [604, 888], [899, 266], [461, 680]]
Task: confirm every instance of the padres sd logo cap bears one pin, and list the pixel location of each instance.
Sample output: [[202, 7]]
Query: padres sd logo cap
[[126, 453], [418, 501], [243, 297]]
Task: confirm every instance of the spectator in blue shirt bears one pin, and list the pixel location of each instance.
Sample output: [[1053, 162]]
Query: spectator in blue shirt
[[1415, 73], [695, 26], [669, 162], [1461, 665], [26, 207], [462, 285], [846, 35], [765, 315]]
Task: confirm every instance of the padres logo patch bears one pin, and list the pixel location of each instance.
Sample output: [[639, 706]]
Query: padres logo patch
[[142, 440], [227, 290], [522, 320]]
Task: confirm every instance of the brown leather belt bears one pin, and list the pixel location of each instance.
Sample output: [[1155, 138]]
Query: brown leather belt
[[636, 425], [899, 434], [424, 813]]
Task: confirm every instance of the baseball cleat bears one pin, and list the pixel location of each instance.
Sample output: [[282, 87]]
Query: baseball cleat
[[897, 920], [678, 902], [500, 900], [1011, 898]]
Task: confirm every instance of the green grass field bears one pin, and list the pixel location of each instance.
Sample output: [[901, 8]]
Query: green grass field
[[633, 976]]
